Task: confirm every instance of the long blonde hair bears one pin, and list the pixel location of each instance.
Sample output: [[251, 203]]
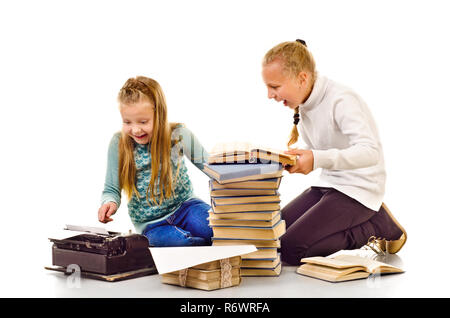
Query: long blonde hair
[[133, 91], [295, 58]]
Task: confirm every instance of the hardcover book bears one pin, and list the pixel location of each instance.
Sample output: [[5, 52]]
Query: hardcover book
[[227, 173], [254, 233], [227, 208], [272, 183], [214, 221], [262, 253], [261, 263], [232, 192], [223, 200], [261, 267], [270, 272], [245, 216]]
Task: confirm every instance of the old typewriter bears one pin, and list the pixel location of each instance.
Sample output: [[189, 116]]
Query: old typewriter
[[100, 254]]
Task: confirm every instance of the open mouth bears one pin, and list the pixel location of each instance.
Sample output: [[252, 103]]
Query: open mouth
[[141, 137]]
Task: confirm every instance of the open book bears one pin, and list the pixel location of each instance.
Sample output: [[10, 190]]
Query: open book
[[235, 152], [343, 268]]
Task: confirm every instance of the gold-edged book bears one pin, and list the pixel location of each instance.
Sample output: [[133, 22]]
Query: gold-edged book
[[230, 152], [258, 243], [343, 268], [199, 283], [227, 208], [272, 183], [201, 274], [262, 253], [207, 276], [258, 263], [215, 221], [269, 272], [254, 233], [230, 173], [242, 192], [246, 199], [234, 261], [254, 215], [261, 268]]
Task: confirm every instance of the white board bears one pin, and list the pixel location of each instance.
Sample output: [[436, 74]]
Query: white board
[[170, 259]]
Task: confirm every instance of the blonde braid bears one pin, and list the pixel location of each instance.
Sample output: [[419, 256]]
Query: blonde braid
[[294, 132]]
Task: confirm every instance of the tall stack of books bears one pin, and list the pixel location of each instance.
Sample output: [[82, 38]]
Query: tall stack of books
[[246, 204]]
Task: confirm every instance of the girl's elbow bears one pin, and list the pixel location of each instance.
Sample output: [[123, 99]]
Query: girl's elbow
[[374, 156]]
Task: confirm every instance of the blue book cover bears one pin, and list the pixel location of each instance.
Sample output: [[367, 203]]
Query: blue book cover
[[241, 172]]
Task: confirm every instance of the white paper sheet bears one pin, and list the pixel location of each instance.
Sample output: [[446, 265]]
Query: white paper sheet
[[89, 229], [170, 259]]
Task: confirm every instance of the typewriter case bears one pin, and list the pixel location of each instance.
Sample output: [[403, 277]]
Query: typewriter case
[[103, 254]]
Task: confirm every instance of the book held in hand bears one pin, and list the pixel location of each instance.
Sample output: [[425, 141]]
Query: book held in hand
[[343, 268], [235, 152]]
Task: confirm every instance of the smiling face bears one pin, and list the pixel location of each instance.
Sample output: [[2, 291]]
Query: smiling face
[[291, 90], [138, 120]]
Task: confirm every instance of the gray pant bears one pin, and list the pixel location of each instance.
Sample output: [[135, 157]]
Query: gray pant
[[322, 221]]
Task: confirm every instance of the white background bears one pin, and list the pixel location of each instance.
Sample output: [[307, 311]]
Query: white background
[[63, 62]]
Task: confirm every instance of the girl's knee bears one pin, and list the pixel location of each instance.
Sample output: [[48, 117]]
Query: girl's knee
[[292, 250]]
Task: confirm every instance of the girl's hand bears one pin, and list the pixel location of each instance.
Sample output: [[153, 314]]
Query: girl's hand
[[304, 163], [105, 212]]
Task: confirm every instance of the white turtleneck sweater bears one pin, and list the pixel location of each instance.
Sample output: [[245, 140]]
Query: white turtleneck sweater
[[337, 126]]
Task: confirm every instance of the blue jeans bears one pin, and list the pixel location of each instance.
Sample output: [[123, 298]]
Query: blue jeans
[[188, 226]]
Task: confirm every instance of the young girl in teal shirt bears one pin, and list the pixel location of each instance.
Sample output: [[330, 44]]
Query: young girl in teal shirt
[[145, 160]]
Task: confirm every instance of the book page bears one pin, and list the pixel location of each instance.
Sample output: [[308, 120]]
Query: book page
[[331, 262], [371, 265], [227, 148], [275, 151], [331, 274]]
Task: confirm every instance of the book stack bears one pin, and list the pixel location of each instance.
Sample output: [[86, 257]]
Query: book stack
[[207, 276], [245, 207]]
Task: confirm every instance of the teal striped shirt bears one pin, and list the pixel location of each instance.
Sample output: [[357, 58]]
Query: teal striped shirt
[[140, 211]]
